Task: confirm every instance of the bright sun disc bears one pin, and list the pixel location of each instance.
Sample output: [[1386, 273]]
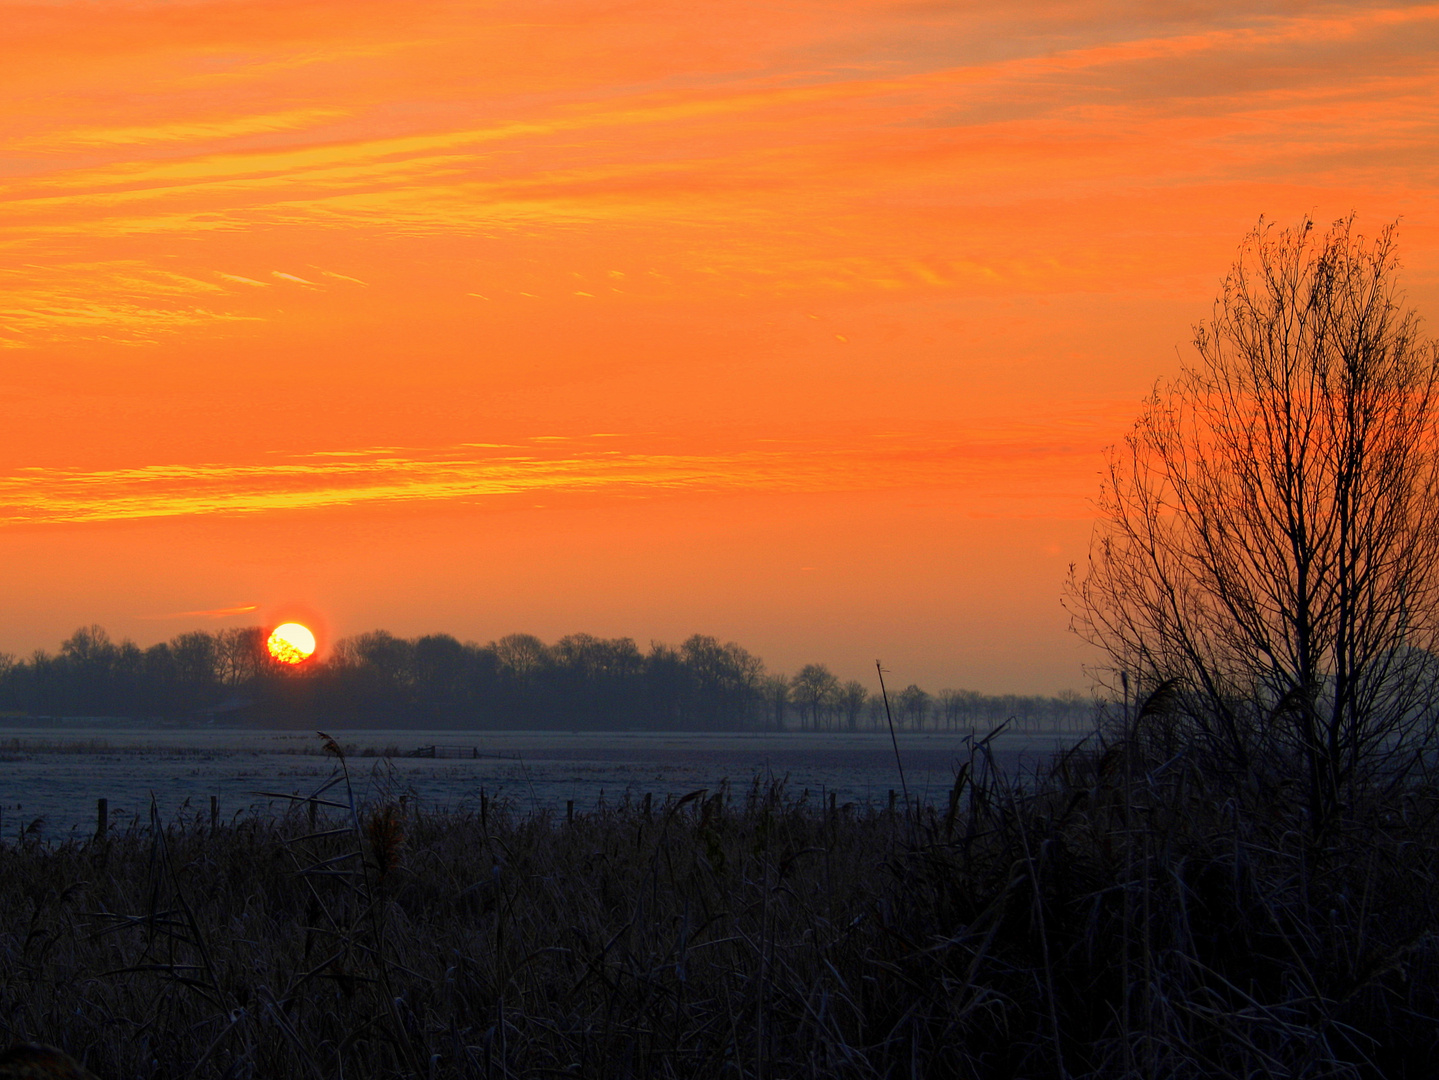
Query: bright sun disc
[[290, 643]]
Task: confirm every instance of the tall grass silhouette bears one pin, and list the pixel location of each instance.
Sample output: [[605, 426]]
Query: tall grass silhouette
[[1107, 915], [33, 1061]]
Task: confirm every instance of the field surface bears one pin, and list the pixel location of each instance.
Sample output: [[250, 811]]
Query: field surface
[[1121, 914], [54, 776]]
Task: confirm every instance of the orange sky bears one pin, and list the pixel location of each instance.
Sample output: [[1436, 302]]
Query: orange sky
[[800, 324]]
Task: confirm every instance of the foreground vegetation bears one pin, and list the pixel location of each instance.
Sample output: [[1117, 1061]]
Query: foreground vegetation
[[1119, 914]]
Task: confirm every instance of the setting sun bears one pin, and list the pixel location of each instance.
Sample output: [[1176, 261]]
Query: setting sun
[[608, 322], [291, 643]]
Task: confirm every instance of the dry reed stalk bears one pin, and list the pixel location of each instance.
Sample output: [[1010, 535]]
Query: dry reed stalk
[[711, 937]]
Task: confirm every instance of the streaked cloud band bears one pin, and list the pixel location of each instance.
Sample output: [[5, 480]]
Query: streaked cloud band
[[330, 479]]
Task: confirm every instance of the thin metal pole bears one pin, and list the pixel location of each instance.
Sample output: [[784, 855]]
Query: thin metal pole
[[892, 737]]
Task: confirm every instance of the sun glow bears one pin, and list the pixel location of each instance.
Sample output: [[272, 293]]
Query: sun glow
[[291, 643]]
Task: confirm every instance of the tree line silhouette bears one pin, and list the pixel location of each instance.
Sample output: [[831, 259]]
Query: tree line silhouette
[[579, 682]]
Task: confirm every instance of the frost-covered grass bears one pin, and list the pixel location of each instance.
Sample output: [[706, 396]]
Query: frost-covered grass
[[1115, 915]]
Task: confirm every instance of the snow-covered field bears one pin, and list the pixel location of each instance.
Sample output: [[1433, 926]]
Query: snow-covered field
[[56, 774]]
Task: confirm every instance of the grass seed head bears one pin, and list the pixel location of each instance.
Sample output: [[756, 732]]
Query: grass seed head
[[385, 830]]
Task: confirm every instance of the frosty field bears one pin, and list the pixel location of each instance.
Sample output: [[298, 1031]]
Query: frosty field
[[54, 775]]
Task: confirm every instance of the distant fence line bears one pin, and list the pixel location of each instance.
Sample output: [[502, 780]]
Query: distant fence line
[[827, 803], [437, 750]]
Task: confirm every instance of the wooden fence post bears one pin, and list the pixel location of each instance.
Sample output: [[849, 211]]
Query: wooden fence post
[[102, 817], [570, 811], [214, 813]]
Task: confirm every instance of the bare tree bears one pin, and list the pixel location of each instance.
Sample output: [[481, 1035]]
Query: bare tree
[[852, 699], [775, 691], [1269, 534], [195, 659], [949, 707], [240, 652], [914, 706], [876, 712], [814, 690], [521, 657]]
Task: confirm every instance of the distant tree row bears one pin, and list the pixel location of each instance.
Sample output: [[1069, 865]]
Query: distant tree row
[[519, 681], [820, 702]]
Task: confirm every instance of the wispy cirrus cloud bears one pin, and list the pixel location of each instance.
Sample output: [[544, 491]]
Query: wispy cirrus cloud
[[581, 215], [206, 613], [125, 301], [472, 473], [945, 169], [241, 280], [1094, 106], [179, 131]]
